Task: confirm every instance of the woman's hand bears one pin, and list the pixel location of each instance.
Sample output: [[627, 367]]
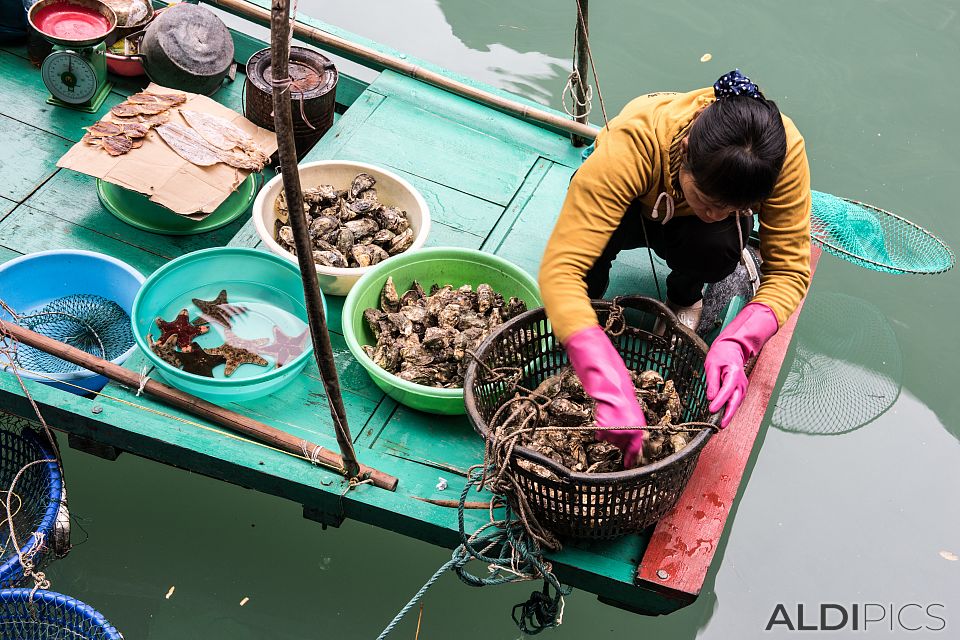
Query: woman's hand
[[606, 379], [738, 342]]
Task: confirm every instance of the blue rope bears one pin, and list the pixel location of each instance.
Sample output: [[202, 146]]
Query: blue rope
[[519, 558]]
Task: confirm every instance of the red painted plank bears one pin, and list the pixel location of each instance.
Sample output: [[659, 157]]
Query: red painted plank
[[684, 541]]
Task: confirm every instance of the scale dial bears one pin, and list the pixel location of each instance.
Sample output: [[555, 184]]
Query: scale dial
[[70, 77]]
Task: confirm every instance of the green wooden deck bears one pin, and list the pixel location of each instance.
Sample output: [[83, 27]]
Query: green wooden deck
[[491, 181]]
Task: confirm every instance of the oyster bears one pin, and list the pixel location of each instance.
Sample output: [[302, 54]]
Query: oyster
[[329, 258], [321, 225], [389, 299], [345, 241], [361, 183], [362, 227]]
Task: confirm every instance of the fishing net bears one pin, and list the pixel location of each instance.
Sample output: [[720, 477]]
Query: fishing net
[[34, 503], [846, 369], [88, 322], [874, 238], [46, 615]]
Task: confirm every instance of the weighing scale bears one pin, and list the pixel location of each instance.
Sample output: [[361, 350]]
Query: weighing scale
[[76, 71]]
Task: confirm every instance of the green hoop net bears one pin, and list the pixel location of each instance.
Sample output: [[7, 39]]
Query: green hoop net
[[874, 238]]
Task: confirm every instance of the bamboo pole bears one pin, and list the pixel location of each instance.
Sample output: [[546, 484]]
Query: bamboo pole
[[283, 125], [196, 406], [581, 63], [347, 48]]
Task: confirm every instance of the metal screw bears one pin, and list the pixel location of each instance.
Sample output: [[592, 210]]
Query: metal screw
[[97, 409], [663, 575]]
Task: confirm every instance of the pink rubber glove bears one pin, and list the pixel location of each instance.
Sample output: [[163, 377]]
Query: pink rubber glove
[[738, 342], [606, 379]]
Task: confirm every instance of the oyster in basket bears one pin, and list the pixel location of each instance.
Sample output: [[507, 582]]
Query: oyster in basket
[[565, 424]]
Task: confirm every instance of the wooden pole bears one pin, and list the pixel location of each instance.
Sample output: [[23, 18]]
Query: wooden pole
[[581, 64], [283, 125], [200, 408], [342, 46]]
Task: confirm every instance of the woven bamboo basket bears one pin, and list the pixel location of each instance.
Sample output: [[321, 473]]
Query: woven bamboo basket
[[602, 505]]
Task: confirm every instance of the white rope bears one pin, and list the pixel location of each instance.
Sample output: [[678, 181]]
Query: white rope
[[586, 104], [143, 380]]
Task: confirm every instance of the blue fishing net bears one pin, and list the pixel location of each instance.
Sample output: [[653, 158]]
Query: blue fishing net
[[88, 322], [46, 615], [874, 238]]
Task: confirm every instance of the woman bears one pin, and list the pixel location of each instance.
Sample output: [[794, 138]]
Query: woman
[[680, 172]]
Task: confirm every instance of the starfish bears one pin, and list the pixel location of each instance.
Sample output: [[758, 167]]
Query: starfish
[[285, 348], [182, 328], [235, 357], [200, 362], [254, 346], [167, 351], [218, 309]]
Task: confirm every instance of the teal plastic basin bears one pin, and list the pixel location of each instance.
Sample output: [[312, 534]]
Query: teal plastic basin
[[266, 285], [440, 265]]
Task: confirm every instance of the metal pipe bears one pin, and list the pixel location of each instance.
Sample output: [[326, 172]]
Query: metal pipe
[[352, 50], [283, 124]]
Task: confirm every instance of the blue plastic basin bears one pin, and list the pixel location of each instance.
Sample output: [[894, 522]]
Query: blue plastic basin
[[29, 282]]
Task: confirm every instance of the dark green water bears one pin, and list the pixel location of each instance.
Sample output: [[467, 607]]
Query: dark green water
[[860, 517]]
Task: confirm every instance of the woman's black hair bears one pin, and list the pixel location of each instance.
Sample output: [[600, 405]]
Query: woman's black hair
[[736, 149]]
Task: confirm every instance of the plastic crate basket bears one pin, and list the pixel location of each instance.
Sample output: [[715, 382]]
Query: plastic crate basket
[[601, 505]]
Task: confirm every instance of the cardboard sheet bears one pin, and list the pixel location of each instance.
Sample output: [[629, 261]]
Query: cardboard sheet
[[159, 172]]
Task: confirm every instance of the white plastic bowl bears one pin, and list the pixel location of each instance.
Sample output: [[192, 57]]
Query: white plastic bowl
[[392, 190]]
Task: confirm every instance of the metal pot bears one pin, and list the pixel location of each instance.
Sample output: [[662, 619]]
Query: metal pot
[[188, 48]]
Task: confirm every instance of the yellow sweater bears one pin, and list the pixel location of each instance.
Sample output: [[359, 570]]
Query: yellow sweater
[[639, 157]]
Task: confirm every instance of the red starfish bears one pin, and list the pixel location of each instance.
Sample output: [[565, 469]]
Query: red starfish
[[285, 348], [182, 328]]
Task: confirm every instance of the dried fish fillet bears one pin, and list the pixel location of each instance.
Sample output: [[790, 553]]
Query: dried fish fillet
[[216, 131], [228, 137], [135, 129], [169, 99], [116, 145], [125, 110], [154, 119], [104, 128], [188, 145], [238, 159]]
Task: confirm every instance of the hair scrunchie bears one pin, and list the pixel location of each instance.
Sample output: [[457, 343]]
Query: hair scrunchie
[[735, 84]]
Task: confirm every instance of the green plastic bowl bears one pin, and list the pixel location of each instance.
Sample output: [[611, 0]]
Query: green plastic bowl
[[267, 285], [440, 265], [137, 210]]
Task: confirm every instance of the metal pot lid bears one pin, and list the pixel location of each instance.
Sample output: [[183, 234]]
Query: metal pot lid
[[193, 39]]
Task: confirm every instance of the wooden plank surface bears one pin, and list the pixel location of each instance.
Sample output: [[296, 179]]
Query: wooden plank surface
[[509, 129], [29, 157], [426, 144], [27, 230], [684, 542]]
